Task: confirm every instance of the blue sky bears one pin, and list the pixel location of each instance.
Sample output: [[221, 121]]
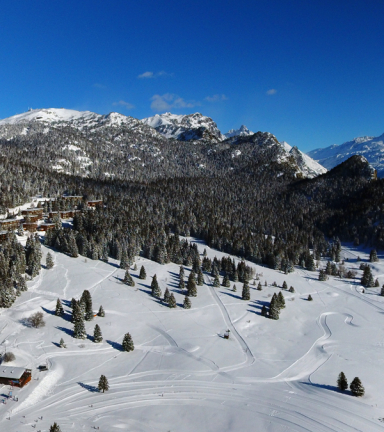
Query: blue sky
[[310, 72]]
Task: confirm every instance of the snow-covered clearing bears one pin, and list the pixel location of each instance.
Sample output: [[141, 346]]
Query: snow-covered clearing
[[183, 375]]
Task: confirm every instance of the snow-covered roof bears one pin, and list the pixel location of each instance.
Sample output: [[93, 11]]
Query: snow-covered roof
[[11, 372]]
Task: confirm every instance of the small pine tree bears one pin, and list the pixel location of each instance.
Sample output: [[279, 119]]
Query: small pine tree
[[156, 291], [181, 284], [264, 311], [322, 276], [167, 294], [191, 285], [97, 336], [246, 294], [103, 383], [377, 284], [128, 280], [373, 256], [356, 387], [200, 278], [226, 282], [291, 289], [143, 273], [342, 382], [285, 286], [234, 289], [187, 303], [127, 344], [259, 287], [101, 312], [59, 308], [55, 428], [172, 301], [382, 291], [49, 261], [79, 329], [274, 310], [62, 343], [265, 283], [309, 297], [216, 281], [280, 300]]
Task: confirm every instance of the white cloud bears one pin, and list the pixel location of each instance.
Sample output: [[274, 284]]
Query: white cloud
[[150, 74], [146, 75], [216, 98], [126, 105], [168, 101], [271, 92]]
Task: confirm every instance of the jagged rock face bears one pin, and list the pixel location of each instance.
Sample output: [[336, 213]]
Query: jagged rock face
[[185, 127], [115, 146], [371, 148], [307, 166], [242, 131]]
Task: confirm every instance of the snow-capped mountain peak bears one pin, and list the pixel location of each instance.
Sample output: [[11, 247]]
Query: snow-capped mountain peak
[[242, 131], [185, 127]]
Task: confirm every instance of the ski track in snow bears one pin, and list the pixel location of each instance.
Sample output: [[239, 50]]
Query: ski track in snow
[[291, 410]]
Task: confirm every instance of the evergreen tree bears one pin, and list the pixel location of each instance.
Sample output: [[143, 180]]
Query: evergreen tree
[[72, 246], [124, 260], [377, 283], [167, 294], [127, 344], [79, 329], [172, 301], [191, 285], [285, 286], [143, 273], [342, 382], [62, 343], [328, 268], [49, 261], [187, 303], [103, 384], [101, 312], [367, 278], [373, 256], [310, 263], [259, 287], [216, 281], [234, 289], [356, 387], [76, 312], [200, 278], [322, 275], [181, 272], [280, 300], [55, 428], [274, 310], [181, 284], [97, 336], [291, 289], [382, 291], [59, 308], [226, 282], [246, 294], [310, 297], [128, 280], [156, 291], [264, 311]]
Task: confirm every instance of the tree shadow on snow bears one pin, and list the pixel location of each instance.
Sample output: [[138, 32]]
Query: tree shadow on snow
[[56, 344], [114, 345], [231, 295], [48, 311], [88, 387], [66, 303], [328, 387], [65, 330]]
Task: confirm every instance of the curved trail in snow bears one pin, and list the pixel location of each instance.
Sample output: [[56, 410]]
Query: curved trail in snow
[[250, 358]]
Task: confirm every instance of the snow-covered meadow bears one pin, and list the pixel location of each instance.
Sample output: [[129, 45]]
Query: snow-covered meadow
[[183, 375]]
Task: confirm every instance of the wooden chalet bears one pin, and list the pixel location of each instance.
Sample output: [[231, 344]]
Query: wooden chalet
[[64, 214], [32, 218], [30, 226], [3, 235], [9, 224], [33, 212], [15, 376], [46, 226], [94, 203]]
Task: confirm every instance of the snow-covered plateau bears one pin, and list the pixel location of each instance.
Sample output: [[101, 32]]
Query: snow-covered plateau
[[275, 376]]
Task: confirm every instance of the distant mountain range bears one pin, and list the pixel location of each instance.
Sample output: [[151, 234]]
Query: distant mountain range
[[372, 148], [118, 146]]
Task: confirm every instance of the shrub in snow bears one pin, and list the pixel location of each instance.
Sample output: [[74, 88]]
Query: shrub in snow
[[36, 320], [8, 357]]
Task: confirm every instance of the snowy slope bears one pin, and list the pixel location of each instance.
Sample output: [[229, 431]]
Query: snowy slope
[[309, 167], [183, 376], [185, 127], [372, 148], [242, 131]]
